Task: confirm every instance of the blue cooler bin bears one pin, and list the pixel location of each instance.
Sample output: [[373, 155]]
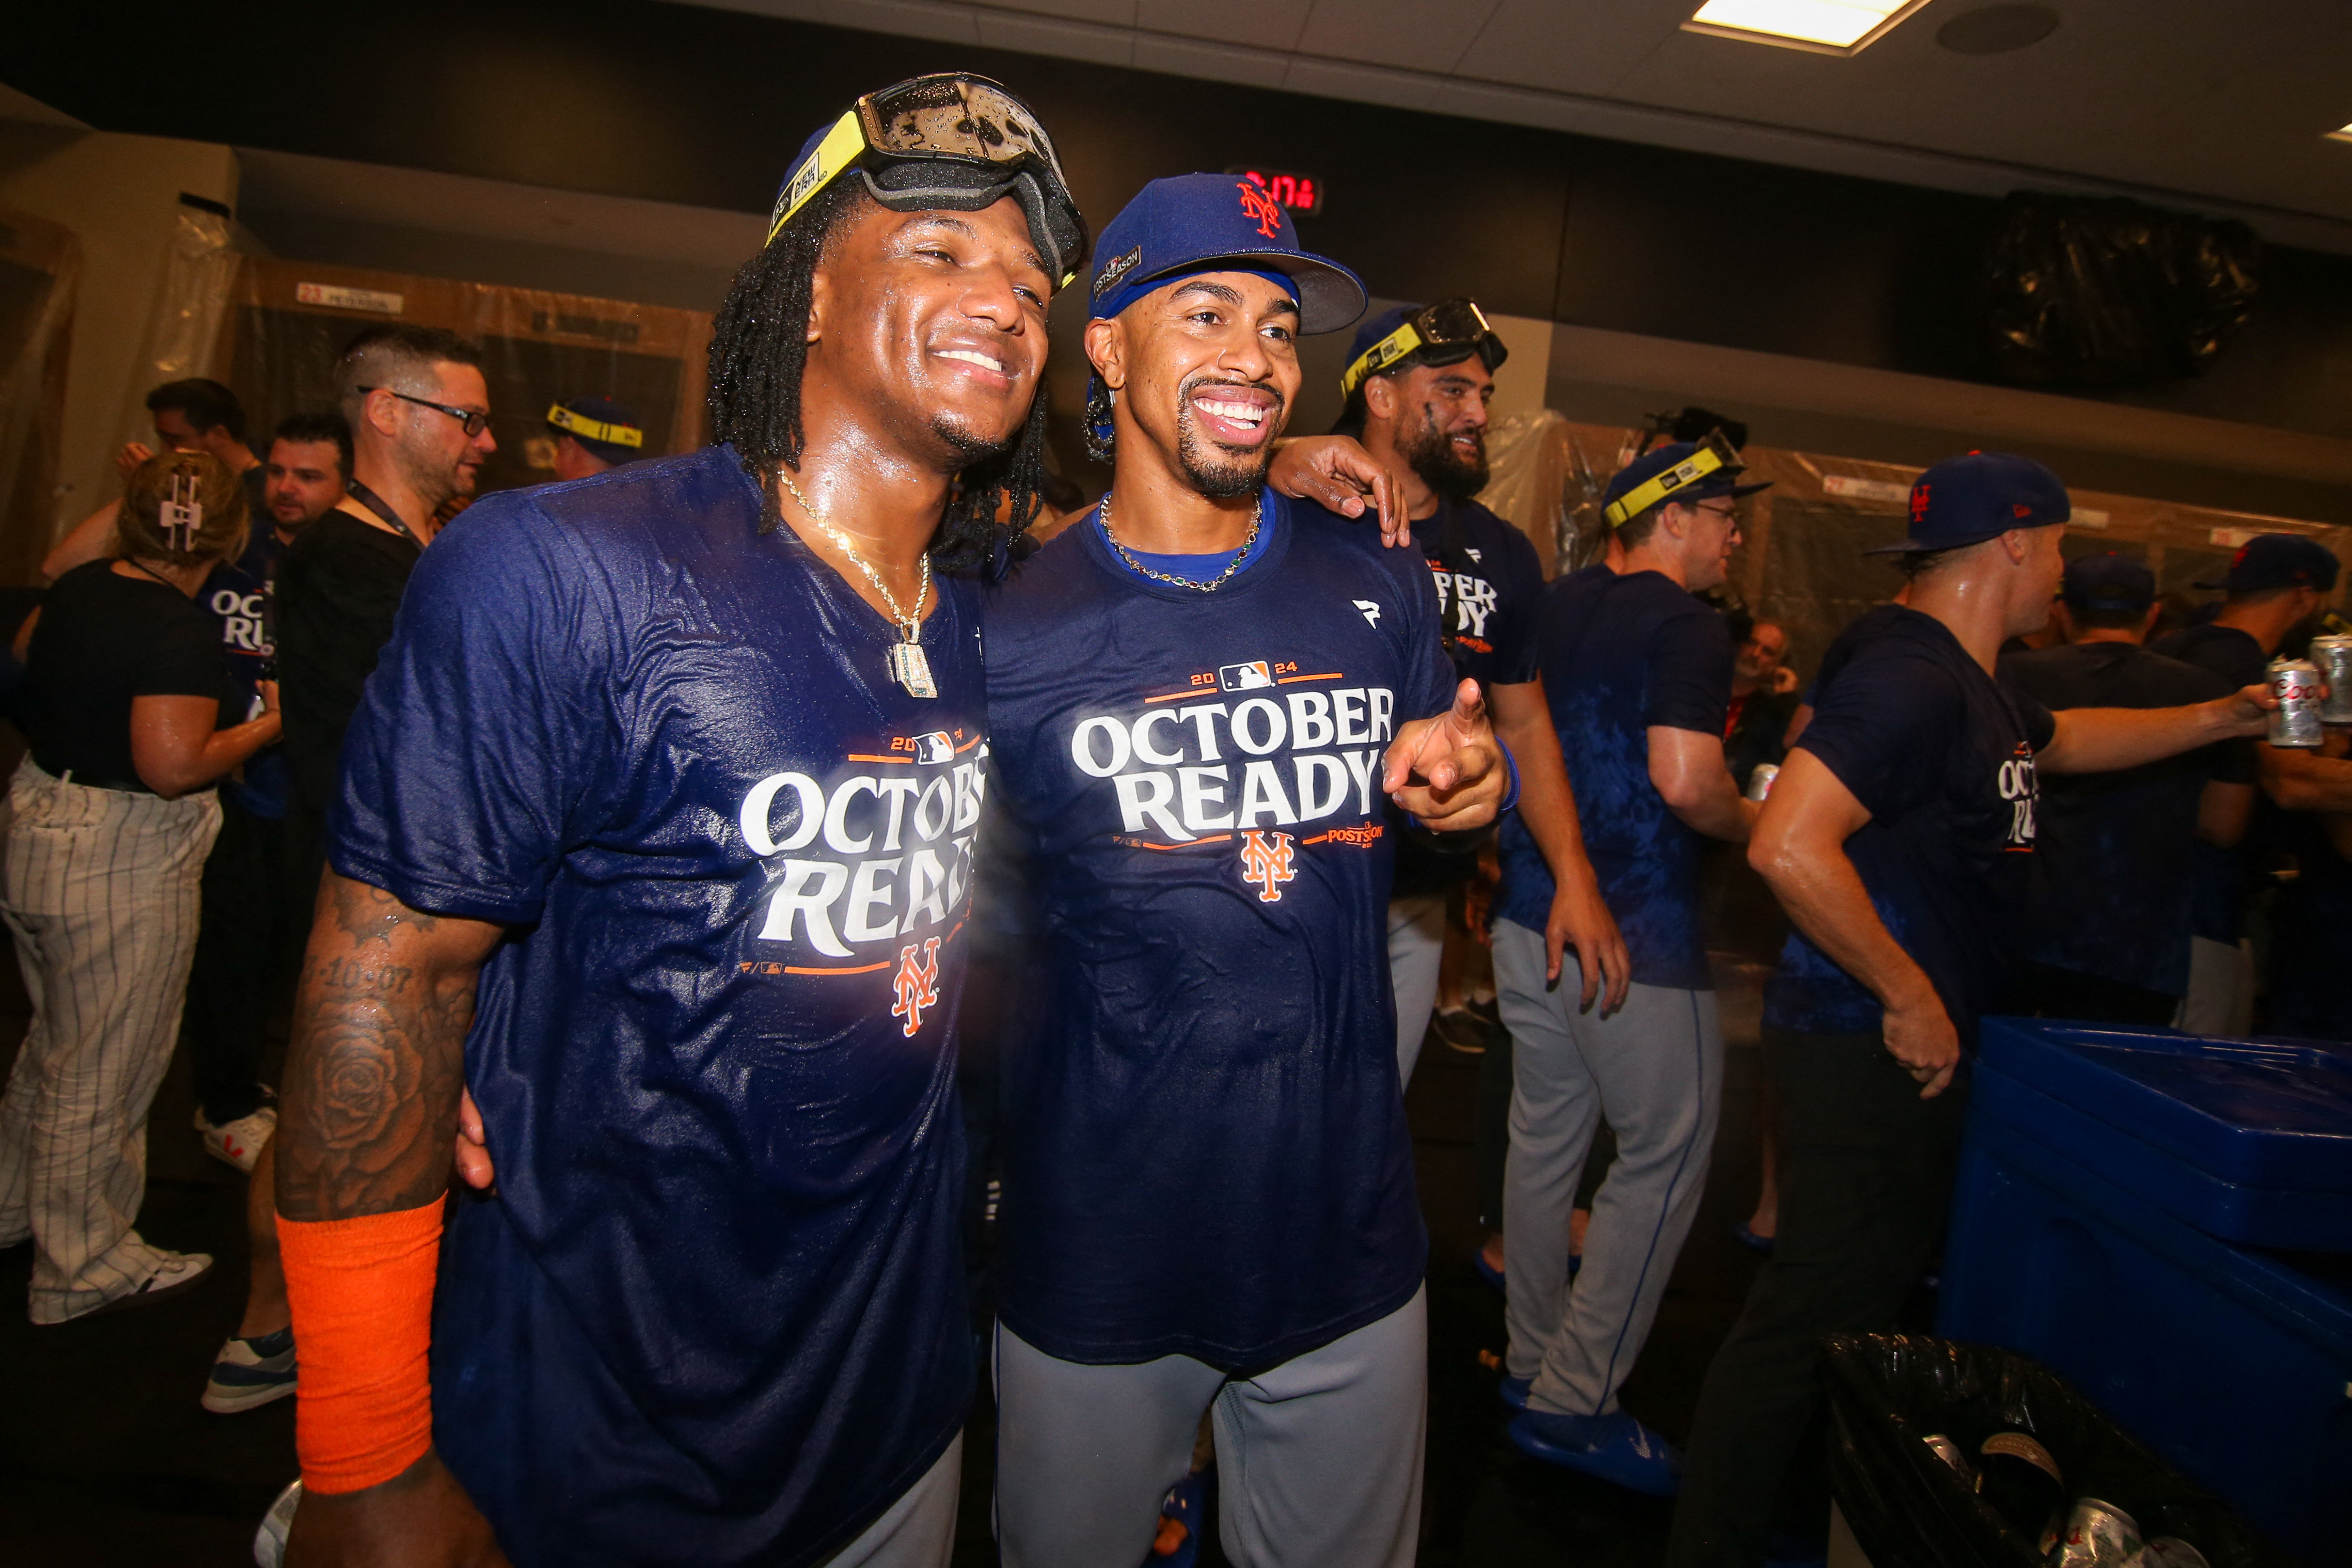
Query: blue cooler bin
[[2123, 1196]]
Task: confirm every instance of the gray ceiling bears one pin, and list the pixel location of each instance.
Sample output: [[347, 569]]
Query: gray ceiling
[[2219, 104]]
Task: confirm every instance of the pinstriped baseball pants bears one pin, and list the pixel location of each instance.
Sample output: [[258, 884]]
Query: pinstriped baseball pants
[[99, 889]]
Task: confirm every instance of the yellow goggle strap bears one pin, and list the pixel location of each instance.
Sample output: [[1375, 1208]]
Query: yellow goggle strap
[[589, 429], [1659, 487], [841, 147], [1379, 357]]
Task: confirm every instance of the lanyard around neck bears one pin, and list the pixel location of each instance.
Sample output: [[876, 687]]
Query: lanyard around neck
[[382, 509]]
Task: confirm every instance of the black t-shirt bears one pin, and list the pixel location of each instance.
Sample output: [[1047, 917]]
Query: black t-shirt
[[102, 640], [2219, 911], [1942, 758], [339, 588], [2114, 863]]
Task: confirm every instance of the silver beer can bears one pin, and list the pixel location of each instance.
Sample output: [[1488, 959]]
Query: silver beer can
[[2097, 1535], [1759, 783], [2171, 1552], [2333, 655], [2296, 722]]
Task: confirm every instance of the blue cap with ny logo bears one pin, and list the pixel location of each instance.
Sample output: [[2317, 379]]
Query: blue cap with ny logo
[[1967, 500], [1192, 223]]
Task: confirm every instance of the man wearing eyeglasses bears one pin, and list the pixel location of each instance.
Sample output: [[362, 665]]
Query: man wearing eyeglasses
[[1637, 672], [419, 411]]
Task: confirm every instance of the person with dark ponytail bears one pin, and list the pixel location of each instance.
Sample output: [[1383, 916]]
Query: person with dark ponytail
[[109, 820]]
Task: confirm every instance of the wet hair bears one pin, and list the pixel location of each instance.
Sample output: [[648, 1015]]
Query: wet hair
[[385, 357], [138, 523], [322, 429], [208, 404], [759, 353]]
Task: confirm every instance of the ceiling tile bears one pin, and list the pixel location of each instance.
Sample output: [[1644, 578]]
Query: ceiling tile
[[1098, 45], [1570, 49], [907, 18], [1410, 34], [1262, 24], [1215, 62]]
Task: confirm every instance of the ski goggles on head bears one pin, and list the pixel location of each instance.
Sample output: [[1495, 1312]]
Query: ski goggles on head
[[1444, 333], [956, 142], [1711, 468]]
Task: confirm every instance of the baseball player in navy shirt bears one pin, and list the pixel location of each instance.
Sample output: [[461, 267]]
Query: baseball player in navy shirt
[[656, 829], [1897, 838], [1638, 673], [1202, 701], [1416, 387]]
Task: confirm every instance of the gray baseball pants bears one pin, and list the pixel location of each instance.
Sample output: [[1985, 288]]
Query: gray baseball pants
[[1416, 944], [1318, 1459], [918, 1530], [1654, 1069], [100, 891]]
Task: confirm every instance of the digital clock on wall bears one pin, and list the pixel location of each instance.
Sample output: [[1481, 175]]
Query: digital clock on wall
[[1302, 194]]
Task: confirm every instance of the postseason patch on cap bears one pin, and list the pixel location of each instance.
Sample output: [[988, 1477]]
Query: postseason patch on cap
[[1108, 278]]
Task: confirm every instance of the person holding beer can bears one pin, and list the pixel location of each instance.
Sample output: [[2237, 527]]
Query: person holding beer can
[[1897, 836]]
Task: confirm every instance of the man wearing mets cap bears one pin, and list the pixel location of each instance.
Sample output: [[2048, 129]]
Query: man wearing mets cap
[[1202, 701], [2275, 588], [654, 830], [2109, 918], [592, 435], [1896, 837]]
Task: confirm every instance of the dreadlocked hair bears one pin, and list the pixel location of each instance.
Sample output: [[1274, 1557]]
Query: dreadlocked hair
[[759, 351]]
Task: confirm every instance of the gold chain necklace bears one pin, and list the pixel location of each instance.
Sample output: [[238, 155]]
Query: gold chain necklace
[[1258, 515], [908, 666]]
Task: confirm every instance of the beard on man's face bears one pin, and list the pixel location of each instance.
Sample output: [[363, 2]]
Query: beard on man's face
[[967, 444], [1453, 474], [1212, 469]]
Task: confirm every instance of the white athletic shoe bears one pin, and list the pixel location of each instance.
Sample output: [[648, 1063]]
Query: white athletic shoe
[[239, 1142], [269, 1540]]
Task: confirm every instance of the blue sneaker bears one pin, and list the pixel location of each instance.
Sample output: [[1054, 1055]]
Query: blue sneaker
[[249, 1373], [1615, 1449], [1513, 1391]]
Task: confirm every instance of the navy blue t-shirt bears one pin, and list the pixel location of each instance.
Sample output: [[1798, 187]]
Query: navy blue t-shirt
[[1942, 758], [1205, 1143], [2114, 865], [714, 1312], [2218, 913], [237, 594], [1618, 655]]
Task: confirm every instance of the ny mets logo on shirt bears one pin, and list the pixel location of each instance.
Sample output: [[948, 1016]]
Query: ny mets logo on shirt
[[876, 849], [918, 984], [1266, 863]]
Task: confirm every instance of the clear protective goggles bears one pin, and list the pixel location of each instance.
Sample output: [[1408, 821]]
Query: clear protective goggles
[[1444, 333], [954, 143]]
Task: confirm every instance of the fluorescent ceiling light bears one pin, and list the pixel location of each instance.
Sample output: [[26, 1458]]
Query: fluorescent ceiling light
[[1824, 26], [2343, 135]]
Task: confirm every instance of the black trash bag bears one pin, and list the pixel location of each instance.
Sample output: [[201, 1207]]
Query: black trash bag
[[2100, 292], [1908, 1508]]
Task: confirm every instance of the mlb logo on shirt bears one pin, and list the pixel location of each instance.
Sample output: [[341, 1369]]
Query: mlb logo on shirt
[[935, 747], [1248, 676]]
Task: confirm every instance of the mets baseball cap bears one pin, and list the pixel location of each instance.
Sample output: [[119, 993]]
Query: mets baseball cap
[[2278, 560], [606, 429], [1680, 471], [1967, 500], [2108, 582], [1215, 222]]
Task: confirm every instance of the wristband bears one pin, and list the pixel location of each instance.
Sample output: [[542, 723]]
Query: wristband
[[362, 1291], [1510, 795]]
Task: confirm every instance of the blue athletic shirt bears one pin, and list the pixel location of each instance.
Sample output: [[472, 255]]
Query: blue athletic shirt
[[715, 1313], [1619, 654], [237, 594], [1206, 1145], [2113, 859], [1942, 758], [2218, 913]]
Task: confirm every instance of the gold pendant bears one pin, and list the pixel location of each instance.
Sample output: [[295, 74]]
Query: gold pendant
[[910, 669]]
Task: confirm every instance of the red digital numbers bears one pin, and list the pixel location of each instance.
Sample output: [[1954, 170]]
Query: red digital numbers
[[1301, 193]]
